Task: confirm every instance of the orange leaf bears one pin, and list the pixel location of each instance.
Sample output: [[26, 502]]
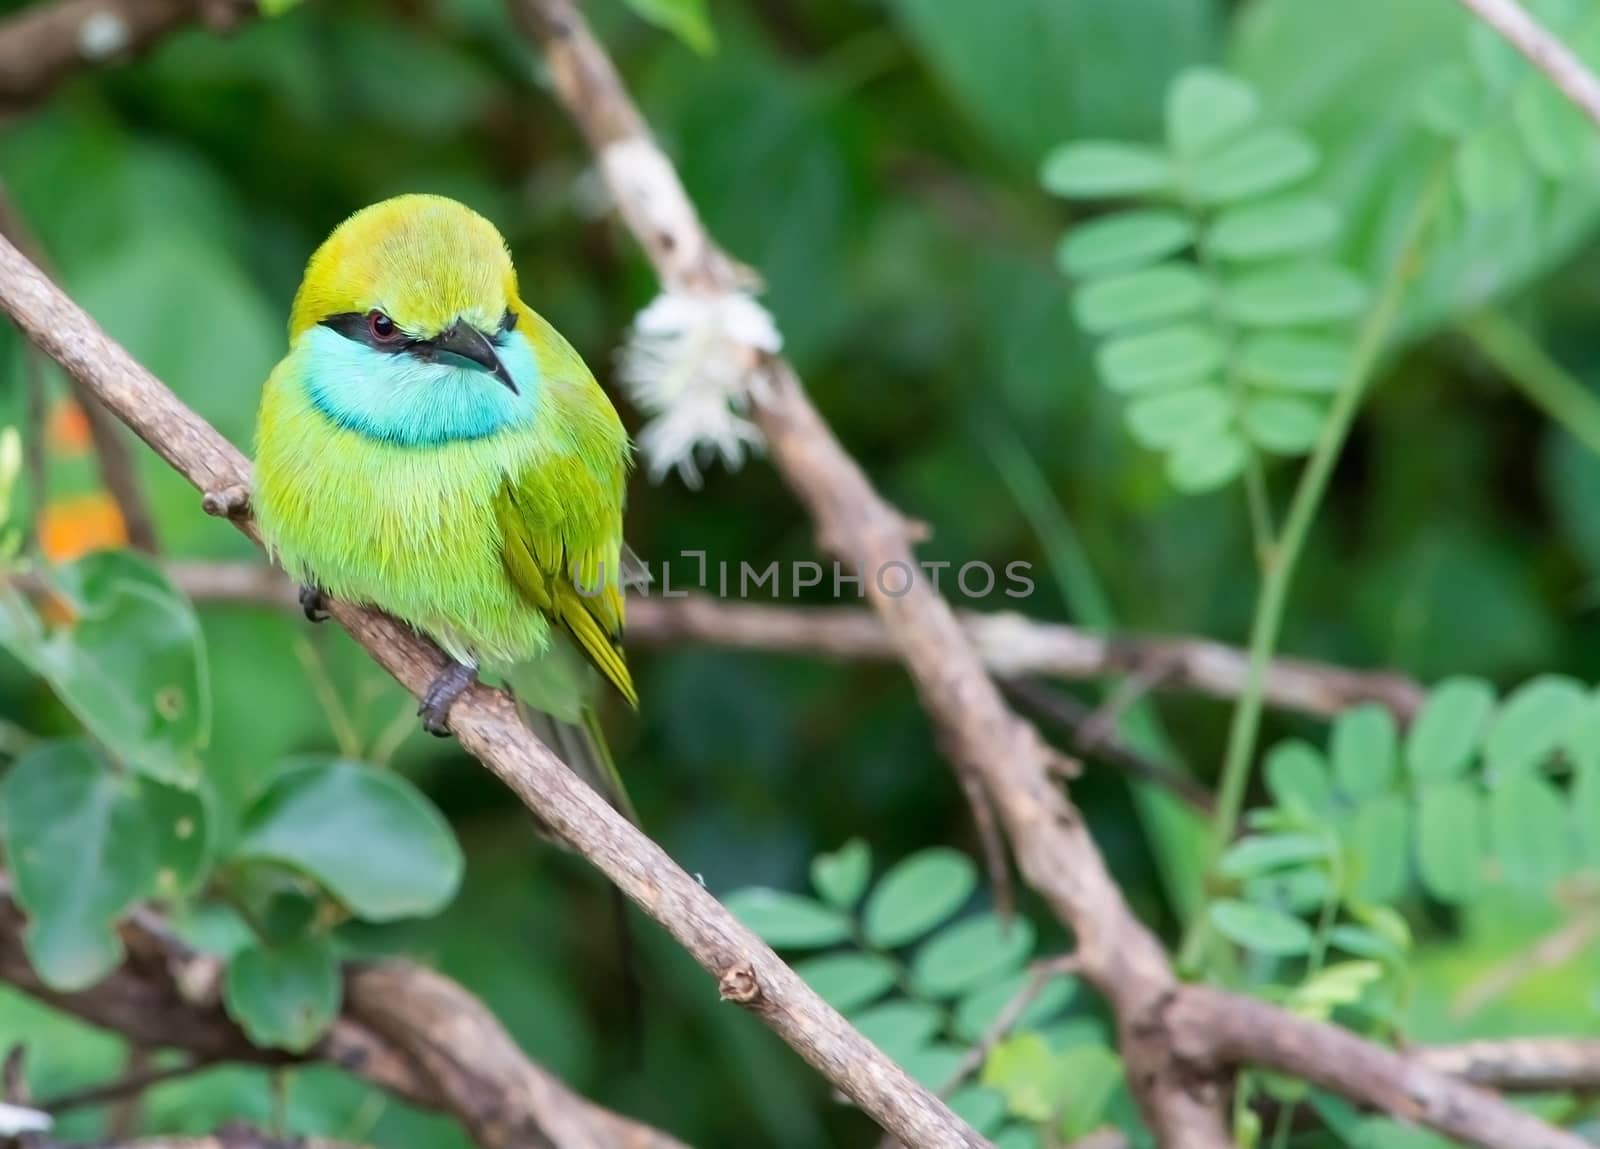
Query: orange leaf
[[72, 527]]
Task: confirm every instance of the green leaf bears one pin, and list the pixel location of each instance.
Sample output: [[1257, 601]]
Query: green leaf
[[1282, 424], [1446, 731], [1364, 942], [841, 877], [1260, 929], [1581, 739], [848, 981], [933, 1065], [1294, 362], [1160, 294], [1450, 840], [1376, 839], [1207, 108], [365, 835], [1123, 242], [1332, 987], [1204, 462], [1532, 723], [1490, 171], [787, 920], [1294, 295], [1167, 357], [1257, 855], [1298, 780], [688, 20], [130, 665], [1030, 1075], [1274, 229], [1258, 165], [1586, 813], [1453, 102], [1363, 750], [1094, 1073], [970, 953], [978, 1010], [1554, 133], [1164, 421], [1496, 62], [1302, 890], [899, 1027], [1104, 169], [980, 1107], [1528, 825], [284, 997], [916, 895], [81, 854], [181, 827]]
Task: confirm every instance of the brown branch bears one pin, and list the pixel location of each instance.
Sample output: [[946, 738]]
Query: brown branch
[[42, 44], [228, 1137], [1182, 1095], [1012, 646], [1519, 1064], [1546, 53], [1206, 1024], [486, 724], [400, 1023]]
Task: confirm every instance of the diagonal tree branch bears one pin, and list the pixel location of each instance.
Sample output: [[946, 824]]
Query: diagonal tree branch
[[486, 724], [1546, 53], [1181, 1092], [404, 1029]]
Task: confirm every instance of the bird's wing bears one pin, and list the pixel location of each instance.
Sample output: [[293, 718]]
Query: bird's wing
[[560, 516]]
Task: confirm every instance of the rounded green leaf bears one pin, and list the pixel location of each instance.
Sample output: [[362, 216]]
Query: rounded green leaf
[[970, 953], [1302, 890], [284, 997], [980, 1107], [688, 20], [1453, 102], [1207, 108], [933, 1065], [1446, 731], [1450, 839], [1282, 424], [1160, 294], [1295, 295], [81, 853], [1260, 929], [1554, 133], [1095, 1073], [1532, 722], [1490, 172], [365, 835], [848, 981], [1258, 854], [1258, 165], [1274, 229], [1031, 1076], [1104, 169], [1152, 360], [1581, 739], [978, 1010], [1204, 462], [1363, 750], [1298, 780], [181, 827], [841, 877], [1164, 421], [918, 894], [1586, 814], [1124, 241], [1363, 942], [1529, 828], [899, 1027], [1376, 841], [1294, 362], [787, 920]]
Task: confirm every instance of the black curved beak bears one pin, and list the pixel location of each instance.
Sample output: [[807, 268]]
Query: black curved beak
[[467, 342]]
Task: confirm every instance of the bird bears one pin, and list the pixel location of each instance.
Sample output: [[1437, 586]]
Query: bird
[[432, 447]]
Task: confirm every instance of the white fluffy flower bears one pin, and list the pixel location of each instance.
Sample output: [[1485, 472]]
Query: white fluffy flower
[[688, 365]]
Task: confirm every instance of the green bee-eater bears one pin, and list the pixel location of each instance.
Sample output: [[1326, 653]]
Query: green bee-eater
[[430, 446]]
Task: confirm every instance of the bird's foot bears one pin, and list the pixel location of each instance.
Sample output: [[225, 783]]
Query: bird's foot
[[442, 694], [314, 601]]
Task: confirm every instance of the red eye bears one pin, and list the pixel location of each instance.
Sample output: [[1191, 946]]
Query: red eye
[[381, 326]]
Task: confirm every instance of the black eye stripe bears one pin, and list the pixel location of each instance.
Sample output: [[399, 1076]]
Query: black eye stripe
[[354, 325]]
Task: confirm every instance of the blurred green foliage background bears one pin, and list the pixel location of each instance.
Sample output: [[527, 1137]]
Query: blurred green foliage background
[[877, 161]]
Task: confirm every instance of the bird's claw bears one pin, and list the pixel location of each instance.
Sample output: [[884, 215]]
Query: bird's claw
[[441, 695], [314, 602]]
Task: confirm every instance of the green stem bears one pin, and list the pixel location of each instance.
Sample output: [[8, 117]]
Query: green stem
[[1532, 370], [1279, 576], [1262, 529]]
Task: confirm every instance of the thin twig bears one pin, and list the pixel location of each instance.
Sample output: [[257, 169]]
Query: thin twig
[[129, 1084], [1555, 949], [1537, 374], [1546, 53]]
